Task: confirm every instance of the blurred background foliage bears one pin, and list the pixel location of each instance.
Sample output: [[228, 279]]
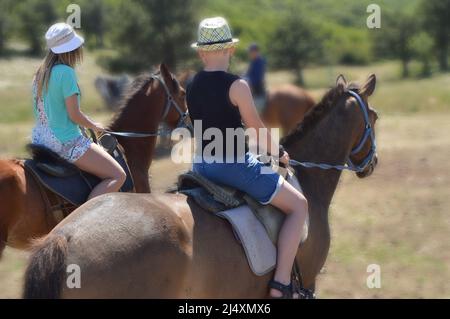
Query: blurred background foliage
[[132, 35]]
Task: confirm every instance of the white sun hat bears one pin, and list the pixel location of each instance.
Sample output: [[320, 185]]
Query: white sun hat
[[62, 38], [214, 34]]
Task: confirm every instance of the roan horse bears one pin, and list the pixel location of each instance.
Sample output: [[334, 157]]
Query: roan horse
[[23, 213], [165, 246]]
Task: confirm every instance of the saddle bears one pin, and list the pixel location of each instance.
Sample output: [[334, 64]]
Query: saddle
[[63, 179], [255, 226]]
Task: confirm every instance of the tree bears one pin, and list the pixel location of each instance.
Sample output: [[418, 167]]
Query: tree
[[35, 17], [152, 31], [93, 21], [5, 23], [422, 45], [437, 23], [296, 43], [395, 36]]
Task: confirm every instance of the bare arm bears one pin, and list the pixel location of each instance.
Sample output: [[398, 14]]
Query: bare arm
[[241, 96], [79, 117]]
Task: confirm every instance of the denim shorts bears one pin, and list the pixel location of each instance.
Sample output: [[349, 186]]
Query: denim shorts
[[251, 177]]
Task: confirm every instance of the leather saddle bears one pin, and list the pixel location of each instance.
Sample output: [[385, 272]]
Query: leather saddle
[[64, 179], [217, 198]]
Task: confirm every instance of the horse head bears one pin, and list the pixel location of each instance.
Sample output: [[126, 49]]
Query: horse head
[[363, 154], [174, 111]]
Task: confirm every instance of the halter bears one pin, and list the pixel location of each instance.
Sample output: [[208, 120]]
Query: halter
[[170, 101], [368, 133]]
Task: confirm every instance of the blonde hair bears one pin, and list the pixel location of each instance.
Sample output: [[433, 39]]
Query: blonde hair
[[42, 75]]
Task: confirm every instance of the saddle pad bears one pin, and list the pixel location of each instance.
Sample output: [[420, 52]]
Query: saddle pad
[[260, 251], [76, 188], [257, 227]]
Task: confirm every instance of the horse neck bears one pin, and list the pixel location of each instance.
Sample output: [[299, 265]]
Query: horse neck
[[141, 114], [329, 142]]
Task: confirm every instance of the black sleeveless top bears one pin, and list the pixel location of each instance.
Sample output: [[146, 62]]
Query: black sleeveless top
[[208, 100]]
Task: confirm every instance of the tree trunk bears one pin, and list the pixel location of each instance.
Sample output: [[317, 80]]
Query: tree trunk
[[299, 79], [35, 48], [405, 68], [34, 40], [2, 44], [443, 58], [426, 68], [2, 36], [99, 41]]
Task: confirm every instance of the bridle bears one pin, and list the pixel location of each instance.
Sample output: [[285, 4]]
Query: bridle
[[368, 134], [170, 102]]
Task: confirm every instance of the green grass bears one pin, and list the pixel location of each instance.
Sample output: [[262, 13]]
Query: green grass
[[15, 87], [392, 96]]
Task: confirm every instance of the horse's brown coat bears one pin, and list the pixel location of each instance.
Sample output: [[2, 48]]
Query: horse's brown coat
[[286, 106]]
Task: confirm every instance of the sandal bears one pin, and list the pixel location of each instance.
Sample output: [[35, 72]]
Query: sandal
[[286, 290]]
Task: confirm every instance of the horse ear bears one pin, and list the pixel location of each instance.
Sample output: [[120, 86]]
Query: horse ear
[[149, 89], [341, 81], [164, 70], [368, 88]]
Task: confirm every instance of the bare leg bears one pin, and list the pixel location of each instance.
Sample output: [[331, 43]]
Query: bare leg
[[99, 163], [295, 206]]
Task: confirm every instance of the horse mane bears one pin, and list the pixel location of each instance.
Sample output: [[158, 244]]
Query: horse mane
[[134, 89], [317, 113]]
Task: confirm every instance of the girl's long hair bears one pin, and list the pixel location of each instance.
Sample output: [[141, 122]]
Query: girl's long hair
[[42, 75]]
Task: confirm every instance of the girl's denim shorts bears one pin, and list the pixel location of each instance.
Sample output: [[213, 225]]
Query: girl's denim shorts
[[249, 176]]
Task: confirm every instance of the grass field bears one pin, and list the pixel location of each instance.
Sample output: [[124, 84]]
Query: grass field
[[398, 218]]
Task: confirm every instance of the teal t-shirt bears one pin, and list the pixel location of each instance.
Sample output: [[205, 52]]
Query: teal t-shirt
[[62, 84]]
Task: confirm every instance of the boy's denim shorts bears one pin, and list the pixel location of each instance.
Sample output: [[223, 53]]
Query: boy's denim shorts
[[251, 177]]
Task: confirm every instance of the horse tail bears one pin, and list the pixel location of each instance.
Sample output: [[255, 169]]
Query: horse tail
[[44, 275]]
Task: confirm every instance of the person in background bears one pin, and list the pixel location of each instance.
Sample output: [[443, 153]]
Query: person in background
[[255, 76]]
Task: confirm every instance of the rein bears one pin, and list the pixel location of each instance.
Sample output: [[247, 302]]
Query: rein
[[170, 101], [349, 165]]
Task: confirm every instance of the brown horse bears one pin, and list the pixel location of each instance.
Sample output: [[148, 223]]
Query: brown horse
[[285, 107], [23, 213], [165, 246]]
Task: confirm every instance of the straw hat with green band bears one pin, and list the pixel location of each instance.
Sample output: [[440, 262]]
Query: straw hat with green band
[[214, 34]]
